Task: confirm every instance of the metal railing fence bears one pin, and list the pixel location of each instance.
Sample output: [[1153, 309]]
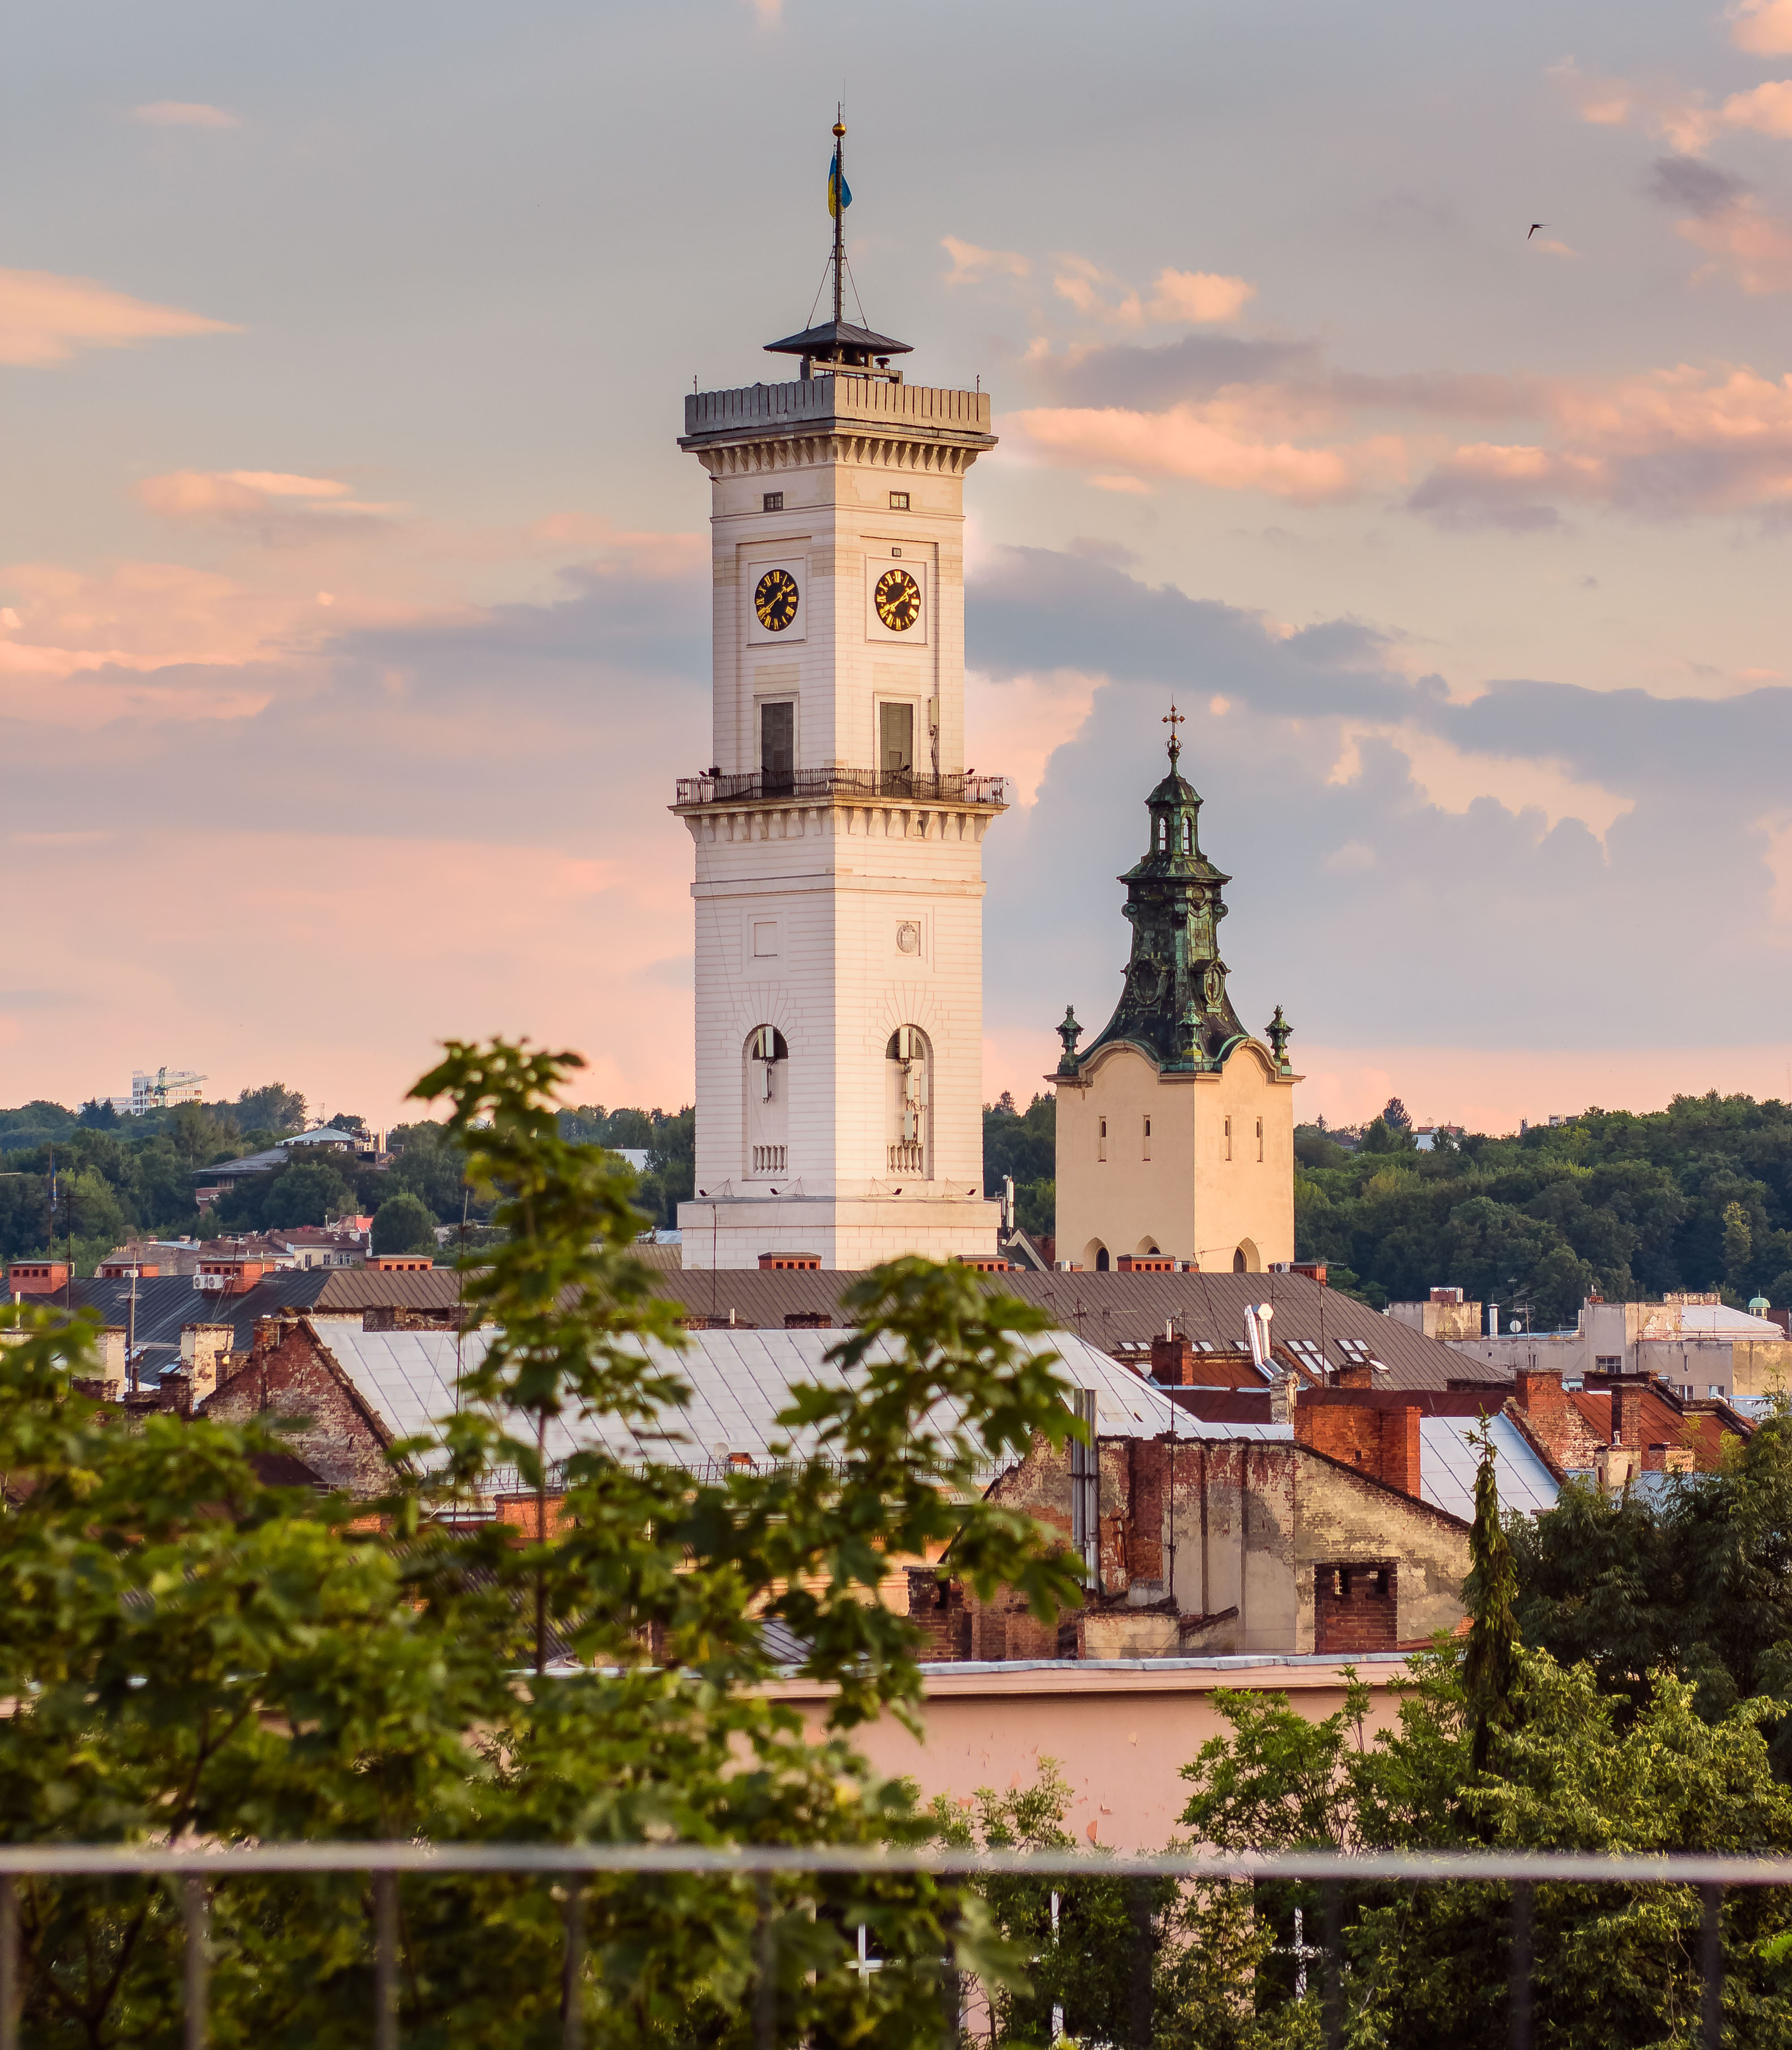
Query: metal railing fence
[[955, 786], [199, 1871]]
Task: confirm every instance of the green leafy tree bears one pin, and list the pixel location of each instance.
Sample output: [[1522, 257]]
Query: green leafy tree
[[402, 1224], [273, 1109], [1490, 1663], [432, 1166], [1695, 1580], [1738, 1246], [308, 1192], [189, 1650], [1076, 1934]]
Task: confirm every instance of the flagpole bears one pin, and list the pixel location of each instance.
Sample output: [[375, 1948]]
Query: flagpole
[[839, 209]]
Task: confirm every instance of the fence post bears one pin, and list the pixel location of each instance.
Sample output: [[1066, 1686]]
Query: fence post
[[1524, 1896], [197, 1963], [385, 1960], [11, 1992], [1711, 1958], [765, 1989], [952, 1990], [572, 1966], [1331, 1894], [1138, 1909]]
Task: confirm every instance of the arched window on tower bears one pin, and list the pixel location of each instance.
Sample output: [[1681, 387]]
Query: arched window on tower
[[1188, 836], [765, 1088], [908, 1062]]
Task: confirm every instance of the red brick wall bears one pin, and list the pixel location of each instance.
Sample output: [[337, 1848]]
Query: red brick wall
[[289, 1375], [1379, 1436], [1355, 1608]]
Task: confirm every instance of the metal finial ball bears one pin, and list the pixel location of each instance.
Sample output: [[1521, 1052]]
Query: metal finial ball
[[839, 127]]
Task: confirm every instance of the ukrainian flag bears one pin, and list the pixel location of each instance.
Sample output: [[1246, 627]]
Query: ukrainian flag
[[839, 193]]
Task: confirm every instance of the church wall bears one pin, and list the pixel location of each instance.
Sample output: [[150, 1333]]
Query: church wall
[[1244, 1199], [1126, 1201], [1188, 1198]]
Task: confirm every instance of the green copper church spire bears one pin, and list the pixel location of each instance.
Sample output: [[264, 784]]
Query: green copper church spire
[[1174, 1006]]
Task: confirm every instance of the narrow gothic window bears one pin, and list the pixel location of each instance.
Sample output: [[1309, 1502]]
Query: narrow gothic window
[[908, 1060], [1260, 1138], [1147, 1154], [1188, 836], [1229, 1138], [765, 1090], [1101, 1141]]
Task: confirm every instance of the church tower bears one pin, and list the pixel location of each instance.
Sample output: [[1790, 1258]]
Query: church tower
[[838, 833], [1175, 1128]]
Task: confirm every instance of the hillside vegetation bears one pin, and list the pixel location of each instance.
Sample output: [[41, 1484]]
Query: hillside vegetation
[[1698, 1196]]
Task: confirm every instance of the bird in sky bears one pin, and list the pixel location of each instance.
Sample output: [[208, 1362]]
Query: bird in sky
[[1535, 226]]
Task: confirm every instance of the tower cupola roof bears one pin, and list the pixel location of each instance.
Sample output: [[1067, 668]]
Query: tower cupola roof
[[1174, 1006], [839, 342]]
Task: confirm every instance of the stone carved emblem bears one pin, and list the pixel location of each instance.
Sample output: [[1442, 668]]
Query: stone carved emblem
[[908, 938]]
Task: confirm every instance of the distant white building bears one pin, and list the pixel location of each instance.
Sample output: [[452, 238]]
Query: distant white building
[[159, 1091], [1695, 1343]]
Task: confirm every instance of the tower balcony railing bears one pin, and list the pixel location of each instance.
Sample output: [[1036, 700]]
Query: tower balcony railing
[[908, 1156], [910, 787]]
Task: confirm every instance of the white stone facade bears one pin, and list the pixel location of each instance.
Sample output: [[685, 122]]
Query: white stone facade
[[839, 870]]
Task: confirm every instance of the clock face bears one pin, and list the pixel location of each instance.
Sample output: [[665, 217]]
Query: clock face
[[774, 599], [898, 599]]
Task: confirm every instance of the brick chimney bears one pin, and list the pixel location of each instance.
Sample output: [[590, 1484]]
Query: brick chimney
[[1354, 1373], [1172, 1362], [1379, 1436], [1540, 1393], [177, 1391], [203, 1350], [1626, 1415]]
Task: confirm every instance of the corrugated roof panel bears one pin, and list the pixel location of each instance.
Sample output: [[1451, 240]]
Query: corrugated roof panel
[[1448, 1463]]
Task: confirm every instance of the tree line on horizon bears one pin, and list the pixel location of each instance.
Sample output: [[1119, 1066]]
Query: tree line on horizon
[[119, 1176]]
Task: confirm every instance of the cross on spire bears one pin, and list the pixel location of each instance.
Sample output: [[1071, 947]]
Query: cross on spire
[[1172, 719]]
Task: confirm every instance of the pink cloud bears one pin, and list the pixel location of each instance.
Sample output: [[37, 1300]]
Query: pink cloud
[[45, 318], [972, 265], [1756, 245], [1767, 109], [1763, 26], [1199, 296], [184, 114], [1657, 106], [1215, 445], [277, 509]]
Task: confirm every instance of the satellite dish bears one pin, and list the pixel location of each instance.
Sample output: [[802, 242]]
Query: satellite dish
[[1515, 1327]]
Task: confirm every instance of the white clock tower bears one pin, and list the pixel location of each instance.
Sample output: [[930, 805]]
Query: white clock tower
[[838, 834]]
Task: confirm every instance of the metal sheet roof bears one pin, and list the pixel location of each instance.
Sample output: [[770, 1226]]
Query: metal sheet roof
[[1447, 1463], [1109, 1308], [738, 1380]]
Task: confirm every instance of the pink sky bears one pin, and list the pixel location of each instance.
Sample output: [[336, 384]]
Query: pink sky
[[351, 588]]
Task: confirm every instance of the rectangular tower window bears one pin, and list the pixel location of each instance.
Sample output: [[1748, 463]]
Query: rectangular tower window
[[1229, 1138], [899, 501], [1148, 1153], [778, 747], [1101, 1141], [774, 501], [895, 746], [1260, 1138]]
